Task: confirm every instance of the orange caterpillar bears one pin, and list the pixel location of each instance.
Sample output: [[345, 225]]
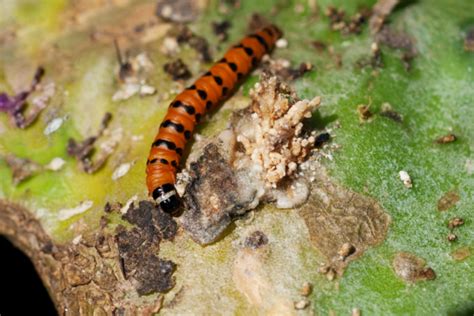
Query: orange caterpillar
[[191, 105]]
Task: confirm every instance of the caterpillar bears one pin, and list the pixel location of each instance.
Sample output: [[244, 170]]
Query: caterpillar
[[188, 107]]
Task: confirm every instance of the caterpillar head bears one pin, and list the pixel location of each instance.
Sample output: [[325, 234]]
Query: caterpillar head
[[168, 199]]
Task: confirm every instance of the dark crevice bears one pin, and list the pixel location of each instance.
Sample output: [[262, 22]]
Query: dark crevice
[[21, 289]]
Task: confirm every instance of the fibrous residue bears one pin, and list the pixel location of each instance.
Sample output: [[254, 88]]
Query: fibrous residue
[[411, 268], [342, 223], [272, 135], [255, 160]]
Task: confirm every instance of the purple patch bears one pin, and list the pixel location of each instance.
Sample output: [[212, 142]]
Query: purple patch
[[13, 104]]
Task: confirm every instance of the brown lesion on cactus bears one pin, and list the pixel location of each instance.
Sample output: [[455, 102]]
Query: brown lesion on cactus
[[342, 224]]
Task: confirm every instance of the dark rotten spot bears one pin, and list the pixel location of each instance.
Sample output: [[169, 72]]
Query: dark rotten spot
[[138, 248], [256, 240], [177, 69]]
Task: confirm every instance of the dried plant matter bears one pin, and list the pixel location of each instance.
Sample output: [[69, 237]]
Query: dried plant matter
[[84, 150], [255, 160], [272, 135], [37, 96]]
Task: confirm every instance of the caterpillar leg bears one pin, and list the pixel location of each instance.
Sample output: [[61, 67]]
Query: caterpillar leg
[[168, 199]]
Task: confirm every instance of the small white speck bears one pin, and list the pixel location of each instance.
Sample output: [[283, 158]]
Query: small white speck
[[77, 239], [41, 212], [405, 177], [281, 43], [170, 46], [469, 166], [70, 212], [137, 138], [147, 90], [166, 11], [198, 137], [56, 164], [125, 208], [345, 44], [301, 304], [121, 170], [53, 125]]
